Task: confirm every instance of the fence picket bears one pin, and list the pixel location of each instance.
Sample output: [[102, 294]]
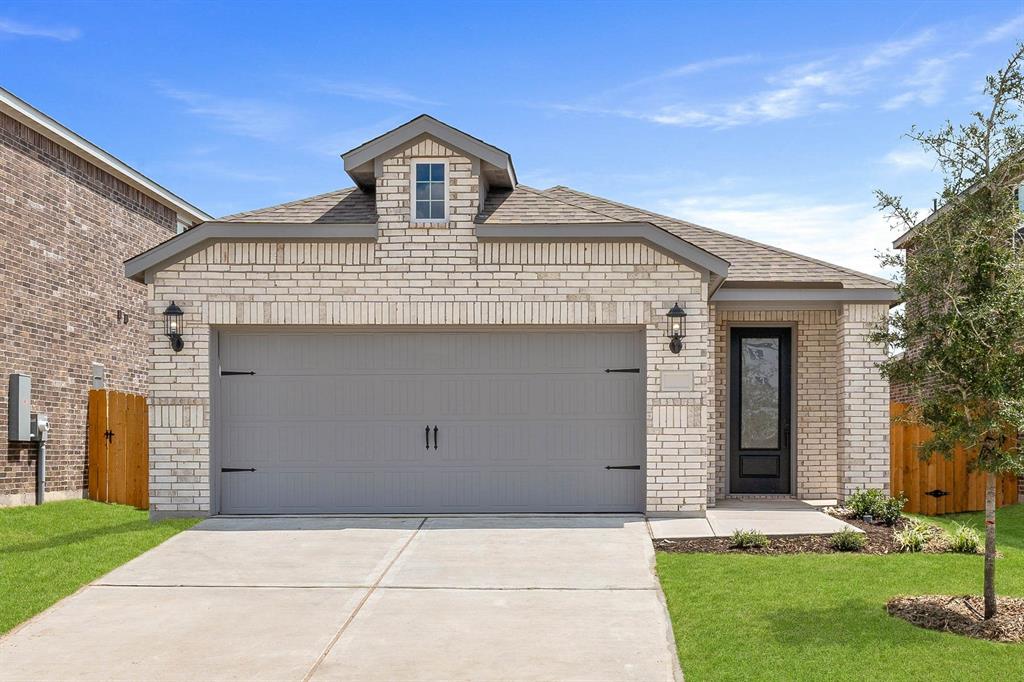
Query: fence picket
[[118, 465], [914, 477]]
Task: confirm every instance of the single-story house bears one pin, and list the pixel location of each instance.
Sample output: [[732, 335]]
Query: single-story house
[[70, 214], [440, 338]]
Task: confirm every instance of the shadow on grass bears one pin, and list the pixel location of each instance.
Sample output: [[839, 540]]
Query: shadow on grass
[[860, 624], [80, 536]]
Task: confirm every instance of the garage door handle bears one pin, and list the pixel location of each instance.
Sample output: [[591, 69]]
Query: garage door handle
[[435, 438], [426, 436]]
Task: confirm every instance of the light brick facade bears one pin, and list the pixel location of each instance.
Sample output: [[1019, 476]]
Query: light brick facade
[[863, 401], [841, 419], [66, 227], [441, 276]]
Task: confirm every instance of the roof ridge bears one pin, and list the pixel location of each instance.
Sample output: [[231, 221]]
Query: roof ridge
[[727, 235], [563, 201], [288, 203]]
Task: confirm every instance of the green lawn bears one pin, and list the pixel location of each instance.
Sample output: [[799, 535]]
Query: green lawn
[[822, 617], [48, 552]]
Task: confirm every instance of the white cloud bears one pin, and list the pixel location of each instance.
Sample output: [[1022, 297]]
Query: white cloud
[[372, 93], [908, 159], [847, 234], [886, 53], [61, 33], [796, 91], [240, 116], [689, 69], [927, 85], [338, 142], [1010, 29]]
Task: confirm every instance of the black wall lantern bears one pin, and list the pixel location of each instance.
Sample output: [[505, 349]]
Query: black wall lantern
[[676, 328], [172, 326]]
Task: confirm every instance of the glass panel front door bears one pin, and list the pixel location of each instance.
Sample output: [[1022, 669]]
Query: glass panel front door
[[759, 410]]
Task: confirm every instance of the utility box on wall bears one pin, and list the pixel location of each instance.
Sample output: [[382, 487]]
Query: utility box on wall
[[19, 408]]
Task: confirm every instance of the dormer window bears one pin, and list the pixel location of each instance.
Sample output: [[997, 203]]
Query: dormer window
[[429, 191]]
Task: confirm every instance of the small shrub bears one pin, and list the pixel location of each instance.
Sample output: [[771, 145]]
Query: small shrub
[[864, 502], [964, 539], [876, 503], [911, 539], [891, 509], [848, 540], [745, 539]]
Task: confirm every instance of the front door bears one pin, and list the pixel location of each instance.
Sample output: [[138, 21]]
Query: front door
[[759, 410]]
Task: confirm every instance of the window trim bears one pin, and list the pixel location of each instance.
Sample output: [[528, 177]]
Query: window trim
[[412, 192]]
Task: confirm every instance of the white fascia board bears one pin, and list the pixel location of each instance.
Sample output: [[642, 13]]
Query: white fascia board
[[805, 295], [657, 237], [427, 125], [142, 267]]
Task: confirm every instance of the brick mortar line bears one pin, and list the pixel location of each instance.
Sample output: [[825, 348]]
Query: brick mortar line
[[348, 621]]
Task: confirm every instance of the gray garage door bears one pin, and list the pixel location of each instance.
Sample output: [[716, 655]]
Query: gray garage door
[[345, 422]]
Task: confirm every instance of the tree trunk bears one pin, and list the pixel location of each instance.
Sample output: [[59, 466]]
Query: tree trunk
[[990, 545]]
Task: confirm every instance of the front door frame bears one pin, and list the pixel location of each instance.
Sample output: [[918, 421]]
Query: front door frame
[[726, 359]]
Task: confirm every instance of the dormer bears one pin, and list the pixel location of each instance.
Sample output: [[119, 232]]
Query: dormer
[[426, 192]]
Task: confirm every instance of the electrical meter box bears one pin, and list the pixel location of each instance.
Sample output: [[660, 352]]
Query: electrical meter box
[[19, 408]]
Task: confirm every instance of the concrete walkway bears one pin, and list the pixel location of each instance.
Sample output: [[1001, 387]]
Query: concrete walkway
[[771, 517], [313, 598]]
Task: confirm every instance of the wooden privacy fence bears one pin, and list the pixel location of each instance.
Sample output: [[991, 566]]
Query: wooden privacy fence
[[118, 448], [916, 478]]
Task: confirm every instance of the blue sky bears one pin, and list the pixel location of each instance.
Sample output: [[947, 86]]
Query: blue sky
[[769, 120]]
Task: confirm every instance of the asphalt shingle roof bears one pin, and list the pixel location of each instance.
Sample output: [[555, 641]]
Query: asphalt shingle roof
[[750, 261], [349, 205]]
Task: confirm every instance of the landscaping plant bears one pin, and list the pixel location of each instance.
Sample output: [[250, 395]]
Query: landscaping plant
[[910, 539], [877, 504], [963, 322], [865, 502], [745, 539], [964, 539], [848, 540]]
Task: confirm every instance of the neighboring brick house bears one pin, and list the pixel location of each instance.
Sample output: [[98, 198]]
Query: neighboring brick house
[[900, 392], [442, 338], [70, 214]]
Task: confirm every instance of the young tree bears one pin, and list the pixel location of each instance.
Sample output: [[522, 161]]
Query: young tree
[[963, 285]]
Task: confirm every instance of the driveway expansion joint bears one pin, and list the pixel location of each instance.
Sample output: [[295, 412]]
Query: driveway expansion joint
[[362, 602]]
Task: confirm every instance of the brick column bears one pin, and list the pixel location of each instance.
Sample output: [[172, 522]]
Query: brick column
[[863, 401]]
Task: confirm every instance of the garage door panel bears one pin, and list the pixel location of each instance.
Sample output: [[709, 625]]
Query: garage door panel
[[334, 422]]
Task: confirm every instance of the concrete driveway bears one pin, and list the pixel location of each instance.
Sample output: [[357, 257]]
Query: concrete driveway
[[441, 598]]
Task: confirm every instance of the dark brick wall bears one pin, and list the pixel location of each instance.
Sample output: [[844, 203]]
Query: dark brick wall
[[66, 227]]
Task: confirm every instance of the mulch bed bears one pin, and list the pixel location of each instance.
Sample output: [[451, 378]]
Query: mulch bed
[[963, 616], [879, 537]]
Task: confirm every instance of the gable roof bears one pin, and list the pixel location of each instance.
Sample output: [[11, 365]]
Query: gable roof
[[28, 115], [751, 262], [348, 205], [496, 164]]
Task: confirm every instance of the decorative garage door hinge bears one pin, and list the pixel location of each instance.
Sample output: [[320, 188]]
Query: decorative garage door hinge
[[634, 467], [938, 493], [632, 370], [229, 373], [230, 469]]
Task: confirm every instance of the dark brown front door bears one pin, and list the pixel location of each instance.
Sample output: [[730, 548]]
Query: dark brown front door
[[759, 410]]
